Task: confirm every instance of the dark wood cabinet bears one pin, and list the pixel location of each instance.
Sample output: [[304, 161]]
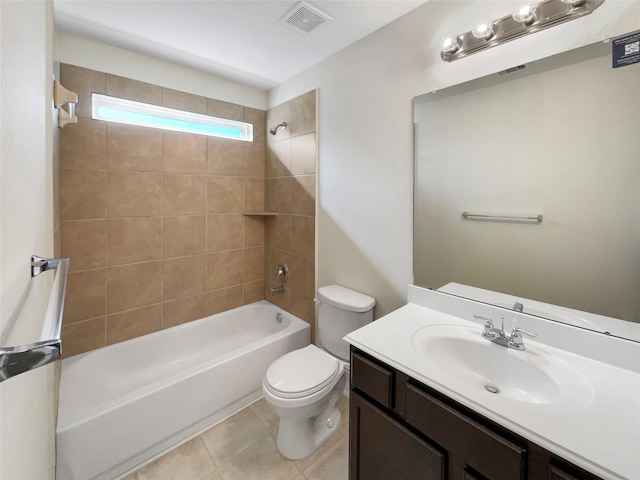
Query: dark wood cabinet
[[401, 429]]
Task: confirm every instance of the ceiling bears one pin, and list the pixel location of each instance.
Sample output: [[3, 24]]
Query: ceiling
[[241, 40]]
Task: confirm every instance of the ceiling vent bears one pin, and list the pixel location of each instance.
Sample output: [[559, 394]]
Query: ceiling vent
[[304, 18]]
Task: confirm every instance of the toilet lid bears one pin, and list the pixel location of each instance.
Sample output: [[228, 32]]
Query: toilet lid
[[301, 372]]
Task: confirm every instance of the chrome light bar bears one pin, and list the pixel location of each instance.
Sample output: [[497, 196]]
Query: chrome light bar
[[528, 19]]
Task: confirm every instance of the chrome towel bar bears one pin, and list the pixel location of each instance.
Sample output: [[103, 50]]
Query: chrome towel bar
[[22, 358], [536, 218]]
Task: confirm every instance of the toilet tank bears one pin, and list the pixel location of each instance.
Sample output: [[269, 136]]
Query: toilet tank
[[341, 311]]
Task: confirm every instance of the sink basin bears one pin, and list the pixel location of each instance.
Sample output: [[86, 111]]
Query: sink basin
[[531, 376]]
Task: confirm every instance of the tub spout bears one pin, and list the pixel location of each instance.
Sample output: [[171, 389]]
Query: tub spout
[[277, 290]]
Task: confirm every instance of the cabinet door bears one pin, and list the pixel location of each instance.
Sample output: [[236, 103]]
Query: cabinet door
[[382, 449]]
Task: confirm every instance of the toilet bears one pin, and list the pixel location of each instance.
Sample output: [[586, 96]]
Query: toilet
[[304, 385]]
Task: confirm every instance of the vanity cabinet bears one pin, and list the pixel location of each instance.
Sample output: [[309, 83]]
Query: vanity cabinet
[[402, 429]]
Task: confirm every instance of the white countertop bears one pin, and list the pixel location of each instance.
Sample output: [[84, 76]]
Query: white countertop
[[598, 430]]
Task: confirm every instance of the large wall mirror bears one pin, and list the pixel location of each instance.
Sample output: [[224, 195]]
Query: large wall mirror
[[559, 138]]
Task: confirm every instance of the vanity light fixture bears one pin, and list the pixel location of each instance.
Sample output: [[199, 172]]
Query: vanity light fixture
[[526, 14], [450, 45], [484, 31], [528, 19]]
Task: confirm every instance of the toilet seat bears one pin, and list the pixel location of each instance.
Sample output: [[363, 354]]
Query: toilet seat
[[301, 373]]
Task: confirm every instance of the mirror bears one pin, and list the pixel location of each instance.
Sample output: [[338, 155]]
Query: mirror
[[559, 138]]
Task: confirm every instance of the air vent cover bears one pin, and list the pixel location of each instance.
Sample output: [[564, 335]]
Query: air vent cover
[[304, 18], [512, 70]]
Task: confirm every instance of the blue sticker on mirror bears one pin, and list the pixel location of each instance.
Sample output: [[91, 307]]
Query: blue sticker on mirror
[[626, 50]]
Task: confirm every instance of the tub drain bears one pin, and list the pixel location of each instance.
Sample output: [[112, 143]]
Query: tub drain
[[491, 388]]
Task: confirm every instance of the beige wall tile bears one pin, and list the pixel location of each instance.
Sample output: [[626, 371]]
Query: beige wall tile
[[279, 113], [134, 148], [303, 233], [303, 114], [253, 291], [133, 240], [224, 269], [221, 109], [132, 286], [225, 156], [183, 277], [187, 102], [83, 82], [132, 194], [85, 243], [253, 264], [84, 145], [279, 158], [303, 154], [254, 160], [184, 235], [303, 195], [82, 194], [86, 295], [280, 193], [254, 194], [184, 153], [184, 310], [225, 299], [301, 275], [183, 194], [134, 323], [225, 195], [224, 232], [279, 229], [83, 336], [258, 119], [122, 87], [254, 230]]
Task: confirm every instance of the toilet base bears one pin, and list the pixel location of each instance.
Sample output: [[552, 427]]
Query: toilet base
[[297, 441]]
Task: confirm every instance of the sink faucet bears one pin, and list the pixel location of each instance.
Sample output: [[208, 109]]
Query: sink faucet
[[497, 335]]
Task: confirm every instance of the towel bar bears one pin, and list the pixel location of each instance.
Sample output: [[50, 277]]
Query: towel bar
[[22, 358]]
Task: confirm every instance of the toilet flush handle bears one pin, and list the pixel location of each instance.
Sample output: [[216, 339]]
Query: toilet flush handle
[[317, 302]]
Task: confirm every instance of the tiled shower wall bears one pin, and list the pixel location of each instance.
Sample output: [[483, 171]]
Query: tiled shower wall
[[291, 193], [152, 220]]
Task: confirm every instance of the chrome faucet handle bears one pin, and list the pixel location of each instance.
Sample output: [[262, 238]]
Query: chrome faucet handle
[[516, 340], [487, 331]]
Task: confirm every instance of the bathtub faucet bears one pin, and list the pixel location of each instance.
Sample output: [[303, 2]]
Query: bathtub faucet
[[277, 290]]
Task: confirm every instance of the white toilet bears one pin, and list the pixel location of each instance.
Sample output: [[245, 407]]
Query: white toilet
[[304, 385]]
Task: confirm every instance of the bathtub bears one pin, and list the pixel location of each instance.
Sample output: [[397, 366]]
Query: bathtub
[[125, 404]]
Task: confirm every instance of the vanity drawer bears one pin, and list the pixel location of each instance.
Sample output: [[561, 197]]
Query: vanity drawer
[[372, 379], [482, 449]]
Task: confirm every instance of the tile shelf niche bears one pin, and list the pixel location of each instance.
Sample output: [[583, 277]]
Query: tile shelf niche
[[260, 214]]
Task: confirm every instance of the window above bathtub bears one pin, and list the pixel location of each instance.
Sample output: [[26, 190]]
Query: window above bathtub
[[112, 109]]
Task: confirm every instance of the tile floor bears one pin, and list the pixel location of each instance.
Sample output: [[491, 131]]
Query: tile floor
[[243, 447]]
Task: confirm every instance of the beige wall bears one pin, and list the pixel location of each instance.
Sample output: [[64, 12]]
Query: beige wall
[[291, 193], [27, 401], [152, 220], [365, 163]]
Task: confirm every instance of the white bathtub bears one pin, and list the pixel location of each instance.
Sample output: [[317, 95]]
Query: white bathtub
[[124, 404]]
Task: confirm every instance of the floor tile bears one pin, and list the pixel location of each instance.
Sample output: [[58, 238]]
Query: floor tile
[[333, 465], [261, 461], [189, 461], [267, 415], [210, 476], [305, 463], [228, 439]]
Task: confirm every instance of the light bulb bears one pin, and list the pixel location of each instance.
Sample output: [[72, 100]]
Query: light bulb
[[483, 31], [450, 45], [526, 14]]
